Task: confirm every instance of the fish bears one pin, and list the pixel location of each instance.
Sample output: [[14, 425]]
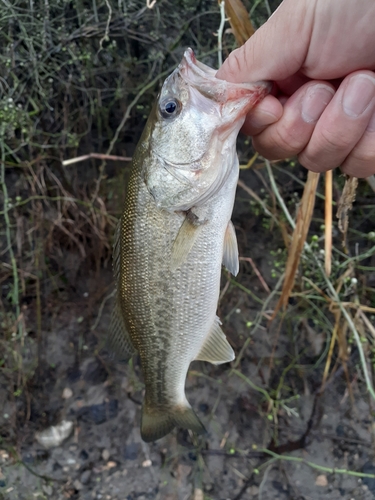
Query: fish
[[173, 236]]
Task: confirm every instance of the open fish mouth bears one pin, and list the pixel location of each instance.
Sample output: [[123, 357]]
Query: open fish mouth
[[203, 78]]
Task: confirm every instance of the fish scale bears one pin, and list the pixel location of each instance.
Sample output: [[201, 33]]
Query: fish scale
[[173, 236]]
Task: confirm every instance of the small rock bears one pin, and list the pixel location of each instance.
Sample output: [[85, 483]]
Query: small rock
[[131, 451], [78, 485], [147, 463], [105, 455], [198, 494], [321, 480], [203, 407], [47, 490], [85, 476], [67, 393], [83, 455], [55, 435], [253, 491], [99, 413]]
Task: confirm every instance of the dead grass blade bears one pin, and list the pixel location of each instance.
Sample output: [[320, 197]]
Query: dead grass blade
[[239, 21], [299, 237], [371, 182], [328, 223], [331, 348], [366, 321], [345, 204]]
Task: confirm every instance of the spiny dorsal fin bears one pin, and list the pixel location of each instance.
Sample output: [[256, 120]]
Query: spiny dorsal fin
[[230, 253], [118, 340], [216, 348], [116, 252], [185, 239]]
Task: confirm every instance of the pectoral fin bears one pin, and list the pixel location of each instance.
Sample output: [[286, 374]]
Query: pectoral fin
[[118, 341], [185, 239], [216, 349], [230, 254]]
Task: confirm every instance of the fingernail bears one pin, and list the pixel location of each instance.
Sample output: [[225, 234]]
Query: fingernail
[[371, 124], [358, 94], [315, 102]]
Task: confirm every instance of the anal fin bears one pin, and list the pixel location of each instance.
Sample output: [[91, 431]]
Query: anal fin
[[230, 253], [118, 340], [216, 349]]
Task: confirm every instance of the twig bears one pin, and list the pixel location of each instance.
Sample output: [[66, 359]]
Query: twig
[[220, 33], [258, 320], [329, 470], [256, 271], [367, 322], [253, 194], [78, 159], [105, 37], [100, 312]]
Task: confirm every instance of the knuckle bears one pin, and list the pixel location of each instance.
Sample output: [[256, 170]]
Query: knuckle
[[311, 164], [278, 142], [330, 140], [361, 161]]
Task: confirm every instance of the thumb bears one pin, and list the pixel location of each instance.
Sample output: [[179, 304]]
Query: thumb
[[277, 50]]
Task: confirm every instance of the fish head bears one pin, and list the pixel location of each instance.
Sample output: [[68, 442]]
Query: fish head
[[192, 137]]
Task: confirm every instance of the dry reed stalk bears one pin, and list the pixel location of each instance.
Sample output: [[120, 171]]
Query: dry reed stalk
[[337, 315], [239, 21], [328, 223], [299, 238]]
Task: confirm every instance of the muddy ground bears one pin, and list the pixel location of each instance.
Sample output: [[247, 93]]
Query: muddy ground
[[104, 456]]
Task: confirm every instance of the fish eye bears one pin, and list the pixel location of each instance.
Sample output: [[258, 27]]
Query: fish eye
[[170, 108]]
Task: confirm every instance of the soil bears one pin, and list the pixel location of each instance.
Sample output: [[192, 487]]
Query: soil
[[105, 458]]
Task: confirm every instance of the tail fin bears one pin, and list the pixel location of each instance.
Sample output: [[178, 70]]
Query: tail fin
[[156, 423]]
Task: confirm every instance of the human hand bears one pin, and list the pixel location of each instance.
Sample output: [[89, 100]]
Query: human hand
[[321, 56]]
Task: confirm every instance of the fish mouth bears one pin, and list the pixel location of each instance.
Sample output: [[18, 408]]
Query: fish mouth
[[203, 78], [191, 166]]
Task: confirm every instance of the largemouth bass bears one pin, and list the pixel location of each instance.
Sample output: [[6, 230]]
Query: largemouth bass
[[175, 233]]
